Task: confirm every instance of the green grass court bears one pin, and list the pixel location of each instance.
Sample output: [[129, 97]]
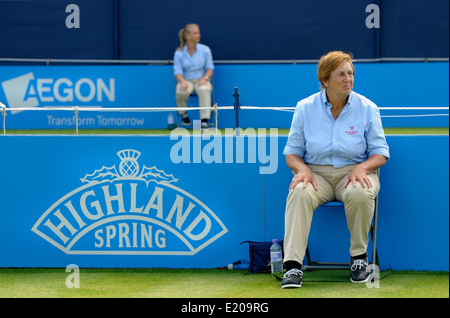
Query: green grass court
[[214, 283]]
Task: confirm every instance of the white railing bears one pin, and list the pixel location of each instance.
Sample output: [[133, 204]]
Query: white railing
[[215, 109], [48, 61]]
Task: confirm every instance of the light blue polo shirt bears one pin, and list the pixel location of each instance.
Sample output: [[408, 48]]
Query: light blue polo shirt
[[195, 66], [350, 139]]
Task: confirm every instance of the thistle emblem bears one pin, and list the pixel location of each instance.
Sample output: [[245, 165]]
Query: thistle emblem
[[129, 166], [129, 169]]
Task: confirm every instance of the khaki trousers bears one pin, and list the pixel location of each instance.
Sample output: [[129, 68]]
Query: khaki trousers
[[203, 93], [359, 205]]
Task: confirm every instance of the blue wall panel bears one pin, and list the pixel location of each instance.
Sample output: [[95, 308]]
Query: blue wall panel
[[234, 29], [414, 28], [52, 170], [230, 200], [37, 29], [246, 30], [268, 85]]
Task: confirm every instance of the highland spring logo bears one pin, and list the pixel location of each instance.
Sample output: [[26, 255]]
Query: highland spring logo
[[129, 210]]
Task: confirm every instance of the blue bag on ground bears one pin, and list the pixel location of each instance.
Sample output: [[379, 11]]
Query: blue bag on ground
[[260, 256]]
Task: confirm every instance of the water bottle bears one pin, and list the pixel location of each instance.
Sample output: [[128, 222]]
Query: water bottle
[[276, 258], [170, 121]]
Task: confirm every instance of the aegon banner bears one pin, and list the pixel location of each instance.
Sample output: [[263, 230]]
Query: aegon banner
[[28, 91], [86, 86]]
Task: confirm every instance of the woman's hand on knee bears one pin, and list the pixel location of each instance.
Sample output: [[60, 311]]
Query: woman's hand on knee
[[358, 174], [305, 176], [183, 85]]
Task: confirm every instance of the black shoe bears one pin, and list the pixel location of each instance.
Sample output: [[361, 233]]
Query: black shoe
[[358, 273], [185, 119], [292, 279]]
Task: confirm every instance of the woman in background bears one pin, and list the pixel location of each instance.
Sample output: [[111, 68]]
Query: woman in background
[[193, 67]]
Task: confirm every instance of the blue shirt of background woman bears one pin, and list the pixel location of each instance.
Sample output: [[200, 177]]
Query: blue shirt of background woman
[[195, 66]]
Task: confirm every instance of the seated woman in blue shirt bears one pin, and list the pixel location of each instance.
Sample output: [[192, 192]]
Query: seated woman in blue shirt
[[335, 145], [193, 67]]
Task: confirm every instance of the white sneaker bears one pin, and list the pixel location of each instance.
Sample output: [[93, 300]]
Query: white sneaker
[[292, 279]]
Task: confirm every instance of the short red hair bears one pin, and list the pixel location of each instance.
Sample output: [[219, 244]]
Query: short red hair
[[329, 62]]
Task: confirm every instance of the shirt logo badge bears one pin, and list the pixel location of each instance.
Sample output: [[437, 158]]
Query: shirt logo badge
[[352, 131]]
